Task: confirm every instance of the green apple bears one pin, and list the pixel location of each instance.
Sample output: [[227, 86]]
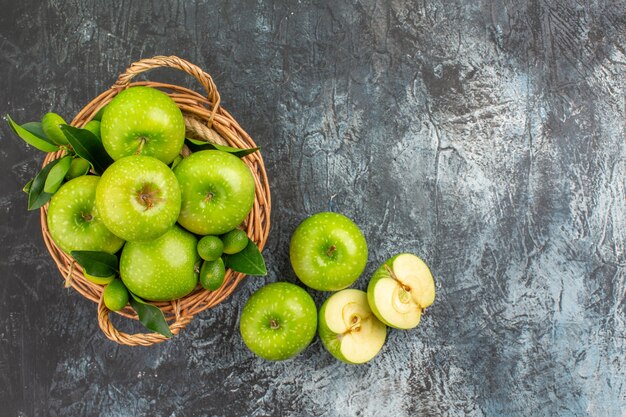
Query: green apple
[[143, 120], [163, 269], [400, 290], [138, 198], [348, 328], [278, 321], [328, 251], [217, 192], [74, 221]]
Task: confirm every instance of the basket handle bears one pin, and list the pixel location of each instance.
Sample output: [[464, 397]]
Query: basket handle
[[175, 62], [143, 339]]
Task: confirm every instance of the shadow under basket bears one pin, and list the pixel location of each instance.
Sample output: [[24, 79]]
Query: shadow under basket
[[204, 119]]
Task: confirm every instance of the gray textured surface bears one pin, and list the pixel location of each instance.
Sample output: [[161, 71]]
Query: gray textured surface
[[487, 138]]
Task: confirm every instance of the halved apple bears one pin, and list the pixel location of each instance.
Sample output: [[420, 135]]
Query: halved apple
[[400, 290], [348, 328]]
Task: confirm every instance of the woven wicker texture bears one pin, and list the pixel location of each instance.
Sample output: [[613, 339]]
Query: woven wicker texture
[[204, 119]]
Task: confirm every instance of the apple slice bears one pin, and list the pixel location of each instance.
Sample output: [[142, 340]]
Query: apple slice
[[400, 290], [348, 328]]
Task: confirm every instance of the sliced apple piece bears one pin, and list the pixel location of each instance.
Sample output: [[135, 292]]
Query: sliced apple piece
[[413, 273], [400, 290], [348, 328]]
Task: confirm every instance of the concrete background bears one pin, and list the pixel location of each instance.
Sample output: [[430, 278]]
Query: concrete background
[[486, 137]]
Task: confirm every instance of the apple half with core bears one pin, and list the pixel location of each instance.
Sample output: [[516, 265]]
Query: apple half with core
[[74, 221], [278, 321], [400, 290], [328, 251], [217, 192], [163, 269], [138, 198], [349, 329], [142, 121]]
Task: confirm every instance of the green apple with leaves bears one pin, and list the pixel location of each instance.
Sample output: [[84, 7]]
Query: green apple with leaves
[[328, 251], [349, 329], [142, 121], [217, 191], [278, 321], [138, 198], [400, 290], [75, 222], [162, 269]]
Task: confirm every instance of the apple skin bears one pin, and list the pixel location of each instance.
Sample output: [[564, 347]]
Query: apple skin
[[74, 221], [288, 308], [145, 121], [163, 269], [217, 191], [379, 274], [313, 258], [138, 198]]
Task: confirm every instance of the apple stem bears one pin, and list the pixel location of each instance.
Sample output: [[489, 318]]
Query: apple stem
[[142, 141], [393, 275], [274, 324], [331, 250]]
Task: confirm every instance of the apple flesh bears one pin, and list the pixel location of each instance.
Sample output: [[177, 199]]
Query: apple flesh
[[349, 329], [400, 290], [138, 198], [74, 221]]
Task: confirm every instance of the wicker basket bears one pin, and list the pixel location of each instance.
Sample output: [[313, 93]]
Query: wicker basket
[[204, 119]]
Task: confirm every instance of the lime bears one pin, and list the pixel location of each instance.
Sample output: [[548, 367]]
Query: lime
[[50, 125], [210, 248], [234, 241], [212, 274], [94, 127], [115, 295], [79, 167], [99, 280]]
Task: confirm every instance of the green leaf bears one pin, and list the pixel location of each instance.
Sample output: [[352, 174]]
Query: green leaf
[[176, 161], [87, 146], [57, 174], [26, 188], [37, 197], [200, 145], [32, 133], [249, 261], [98, 264], [150, 316]]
